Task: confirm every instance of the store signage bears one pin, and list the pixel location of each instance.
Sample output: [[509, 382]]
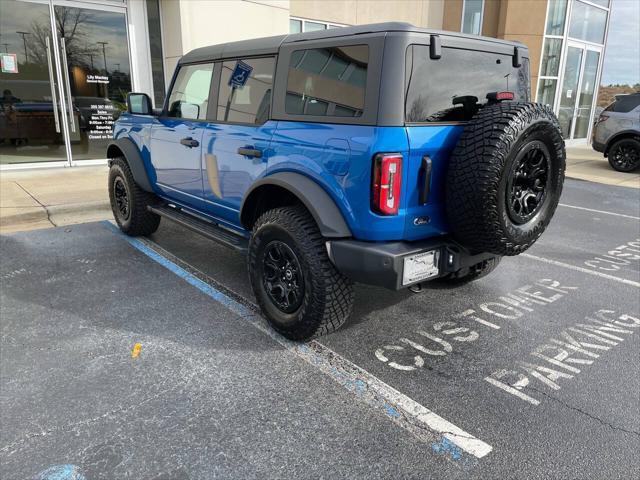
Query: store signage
[[9, 62], [97, 79], [240, 74], [101, 121]]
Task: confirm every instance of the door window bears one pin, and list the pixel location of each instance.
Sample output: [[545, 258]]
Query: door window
[[30, 116], [245, 90], [568, 94], [189, 97]]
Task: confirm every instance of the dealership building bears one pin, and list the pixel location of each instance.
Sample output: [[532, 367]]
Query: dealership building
[[67, 65]]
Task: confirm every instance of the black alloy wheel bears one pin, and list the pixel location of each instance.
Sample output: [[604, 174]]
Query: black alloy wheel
[[625, 155], [121, 195], [527, 183], [282, 278]]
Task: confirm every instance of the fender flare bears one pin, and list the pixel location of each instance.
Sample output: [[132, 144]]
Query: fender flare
[[324, 210], [134, 159]]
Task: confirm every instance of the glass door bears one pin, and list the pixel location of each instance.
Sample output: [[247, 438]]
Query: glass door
[[31, 124], [94, 57], [578, 90], [64, 79]]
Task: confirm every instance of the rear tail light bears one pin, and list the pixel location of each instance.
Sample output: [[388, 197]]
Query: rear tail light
[[602, 118], [387, 182], [500, 96]]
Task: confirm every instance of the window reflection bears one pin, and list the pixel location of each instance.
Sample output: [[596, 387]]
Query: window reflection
[[556, 17], [327, 81], [587, 22], [450, 88]]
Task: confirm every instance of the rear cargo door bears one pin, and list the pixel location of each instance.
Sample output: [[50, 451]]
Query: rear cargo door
[[442, 95]]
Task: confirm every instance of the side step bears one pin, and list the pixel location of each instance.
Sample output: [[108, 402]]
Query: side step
[[203, 227]]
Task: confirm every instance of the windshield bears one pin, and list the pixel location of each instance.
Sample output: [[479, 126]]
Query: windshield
[[443, 90]]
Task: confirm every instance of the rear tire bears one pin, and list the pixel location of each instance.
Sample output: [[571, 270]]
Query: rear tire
[[129, 202], [624, 155], [297, 287], [475, 272]]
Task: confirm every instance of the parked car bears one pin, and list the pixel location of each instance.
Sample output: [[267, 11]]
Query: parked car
[[383, 154], [617, 133]]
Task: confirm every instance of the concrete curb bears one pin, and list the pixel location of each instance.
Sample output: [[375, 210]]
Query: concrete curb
[[86, 209]]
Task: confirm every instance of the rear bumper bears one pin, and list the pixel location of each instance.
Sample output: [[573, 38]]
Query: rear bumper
[[597, 146], [382, 264]]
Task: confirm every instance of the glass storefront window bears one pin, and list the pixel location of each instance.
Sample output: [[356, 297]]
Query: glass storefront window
[[602, 3], [314, 26], [295, 26], [547, 91], [551, 57], [30, 113], [587, 22], [472, 16], [556, 17], [587, 91], [568, 92]]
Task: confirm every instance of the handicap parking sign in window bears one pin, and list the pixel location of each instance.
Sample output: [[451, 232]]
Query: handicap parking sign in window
[[240, 75]]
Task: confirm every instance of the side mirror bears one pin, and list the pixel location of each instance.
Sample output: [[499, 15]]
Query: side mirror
[[139, 104]]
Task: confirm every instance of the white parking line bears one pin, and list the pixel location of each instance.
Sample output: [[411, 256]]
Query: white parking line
[[582, 270], [599, 211], [426, 425]]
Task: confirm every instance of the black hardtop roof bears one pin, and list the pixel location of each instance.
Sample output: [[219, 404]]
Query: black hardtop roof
[[271, 45]]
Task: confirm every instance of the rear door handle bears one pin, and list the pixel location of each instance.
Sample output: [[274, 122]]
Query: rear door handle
[[189, 142], [250, 152]]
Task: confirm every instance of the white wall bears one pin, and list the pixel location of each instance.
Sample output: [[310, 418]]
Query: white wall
[[189, 24]]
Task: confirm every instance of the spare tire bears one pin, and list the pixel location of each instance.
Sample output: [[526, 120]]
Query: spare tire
[[505, 177]]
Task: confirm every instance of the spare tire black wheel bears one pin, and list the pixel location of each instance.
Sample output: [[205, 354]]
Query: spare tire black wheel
[[505, 177]]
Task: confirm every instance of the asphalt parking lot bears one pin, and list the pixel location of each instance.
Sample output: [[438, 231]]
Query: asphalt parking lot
[[532, 372]]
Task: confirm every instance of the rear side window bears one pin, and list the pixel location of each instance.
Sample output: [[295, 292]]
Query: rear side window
[[624, 103], [189, 97], [327, 81], [245, 90], [432, 85]]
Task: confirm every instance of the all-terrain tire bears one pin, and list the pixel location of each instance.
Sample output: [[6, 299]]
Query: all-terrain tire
[[134, 218], [490, 207], [624, 154], [326, 298], [472, 273]]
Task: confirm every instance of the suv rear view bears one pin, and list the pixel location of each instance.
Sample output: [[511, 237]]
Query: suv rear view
[[382, 154]]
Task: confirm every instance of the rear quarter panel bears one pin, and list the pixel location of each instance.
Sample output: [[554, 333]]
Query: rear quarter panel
[[339, 159]]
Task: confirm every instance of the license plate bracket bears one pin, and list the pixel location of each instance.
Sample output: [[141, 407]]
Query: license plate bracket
[[420, 266]]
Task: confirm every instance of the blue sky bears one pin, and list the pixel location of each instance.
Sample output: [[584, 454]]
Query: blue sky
[[622, 56]]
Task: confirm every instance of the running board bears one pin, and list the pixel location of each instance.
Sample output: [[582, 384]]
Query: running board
[[203, 227]]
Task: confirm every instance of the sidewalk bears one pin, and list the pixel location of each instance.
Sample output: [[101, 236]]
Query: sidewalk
[[51, 197], [585, 163], [42, 198]]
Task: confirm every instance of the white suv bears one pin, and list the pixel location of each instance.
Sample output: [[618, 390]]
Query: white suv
[[617, 133]]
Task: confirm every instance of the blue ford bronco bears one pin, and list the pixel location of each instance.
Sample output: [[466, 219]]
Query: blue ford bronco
[[383, 154]]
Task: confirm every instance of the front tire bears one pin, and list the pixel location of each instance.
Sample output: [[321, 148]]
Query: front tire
[[129, 202], [624, 155], [297, 287]]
